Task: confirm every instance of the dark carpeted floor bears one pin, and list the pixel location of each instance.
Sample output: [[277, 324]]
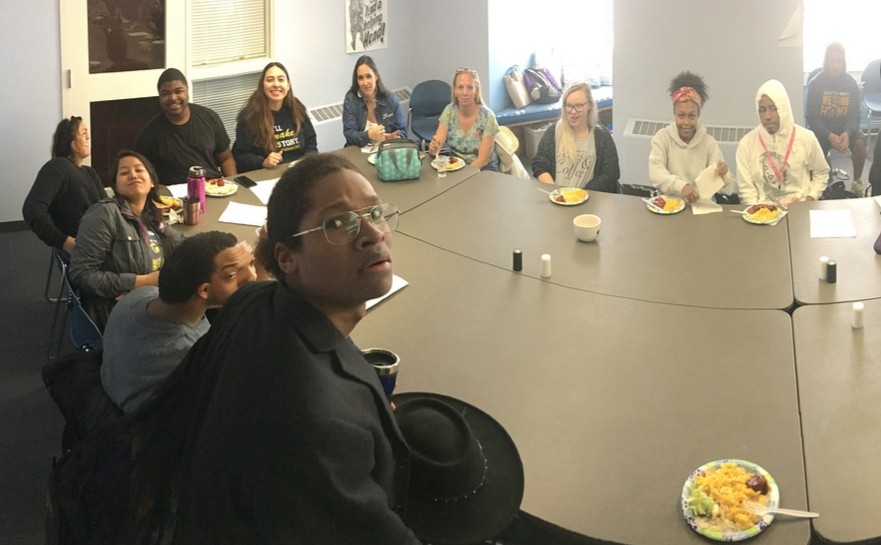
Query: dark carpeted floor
[[30, 425]]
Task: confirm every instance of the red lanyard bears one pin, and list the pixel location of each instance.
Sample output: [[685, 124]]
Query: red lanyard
[[772, 162]]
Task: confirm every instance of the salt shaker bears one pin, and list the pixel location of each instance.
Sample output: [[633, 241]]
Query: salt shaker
[[545, 265], [857, 316]]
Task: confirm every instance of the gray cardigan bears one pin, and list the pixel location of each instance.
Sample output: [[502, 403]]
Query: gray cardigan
[[606, 172]]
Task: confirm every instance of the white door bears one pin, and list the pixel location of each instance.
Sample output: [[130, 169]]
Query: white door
[[142, 37], [85, 79]]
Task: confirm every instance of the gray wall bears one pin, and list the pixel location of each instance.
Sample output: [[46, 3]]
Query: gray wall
[[30, 58], [732, 44], [310, 42], [436, 50], [507, 46]]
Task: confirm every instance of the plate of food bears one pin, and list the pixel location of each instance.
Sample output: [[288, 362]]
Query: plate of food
[[166, 202], [568, 196], [763, 214], [665, 204], [714, 495], [453, 163], [220, 188]]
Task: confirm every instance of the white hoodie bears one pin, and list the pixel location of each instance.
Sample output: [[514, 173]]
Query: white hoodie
[[805, 173], [674, 163]]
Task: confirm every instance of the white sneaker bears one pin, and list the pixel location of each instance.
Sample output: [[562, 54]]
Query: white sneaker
[[858, 187], [839, 174]]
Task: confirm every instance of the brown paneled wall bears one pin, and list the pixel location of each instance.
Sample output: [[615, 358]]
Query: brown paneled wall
[[115, 126]]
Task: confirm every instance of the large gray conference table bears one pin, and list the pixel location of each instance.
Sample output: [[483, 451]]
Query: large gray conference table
[[859, 267], [406, 194], [715, 260], [609, 419], [839, 383]]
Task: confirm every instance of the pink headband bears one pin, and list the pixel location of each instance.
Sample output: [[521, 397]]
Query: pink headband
[[684, 94]]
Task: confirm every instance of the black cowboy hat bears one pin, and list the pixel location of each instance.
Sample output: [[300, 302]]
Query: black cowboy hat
[[466, 477]]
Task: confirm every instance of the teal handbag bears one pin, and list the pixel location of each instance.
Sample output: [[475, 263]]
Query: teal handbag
[[398, 160]]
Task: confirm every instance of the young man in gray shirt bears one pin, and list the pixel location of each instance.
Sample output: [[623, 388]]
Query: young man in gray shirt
[[151, 329]]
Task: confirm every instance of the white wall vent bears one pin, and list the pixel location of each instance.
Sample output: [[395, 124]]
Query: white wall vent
[[648, 127], [634, 146], [335, 111], [328, 121]]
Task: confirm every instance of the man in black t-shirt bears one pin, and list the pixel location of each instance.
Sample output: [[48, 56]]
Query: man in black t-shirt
[[184, 135]]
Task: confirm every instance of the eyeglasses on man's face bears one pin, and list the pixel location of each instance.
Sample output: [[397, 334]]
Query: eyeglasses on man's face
[[576, 108], [343, 228]]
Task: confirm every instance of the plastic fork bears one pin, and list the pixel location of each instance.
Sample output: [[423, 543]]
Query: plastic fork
[[653, 205], [760, 509]]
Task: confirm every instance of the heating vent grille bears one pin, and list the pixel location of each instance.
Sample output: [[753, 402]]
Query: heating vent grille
[[335, 111], [728, 134], [648, 128]]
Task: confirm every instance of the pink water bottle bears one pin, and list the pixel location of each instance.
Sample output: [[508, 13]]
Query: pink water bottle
[[196, 185]]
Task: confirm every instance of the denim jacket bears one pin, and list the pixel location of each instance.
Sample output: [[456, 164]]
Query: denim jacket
[[388, 114]]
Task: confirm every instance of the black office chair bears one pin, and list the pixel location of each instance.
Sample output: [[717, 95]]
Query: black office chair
[[637, 190], [427, 101]]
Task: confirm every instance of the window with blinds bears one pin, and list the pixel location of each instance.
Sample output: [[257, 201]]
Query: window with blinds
[[226, 96], [228, 31]]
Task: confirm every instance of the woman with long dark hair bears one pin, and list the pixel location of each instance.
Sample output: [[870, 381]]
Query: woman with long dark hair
[[370, 112], [123, 241], [65, 188], [274, 126]]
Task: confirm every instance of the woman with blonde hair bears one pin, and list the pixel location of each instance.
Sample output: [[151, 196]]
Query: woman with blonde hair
[[577, 152], [467, 124], [274, 126]]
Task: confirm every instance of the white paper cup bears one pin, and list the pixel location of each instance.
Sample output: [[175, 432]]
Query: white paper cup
[[587, 227]]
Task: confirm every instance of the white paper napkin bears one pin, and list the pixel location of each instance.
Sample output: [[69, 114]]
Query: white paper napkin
[[707, 185], [244, 214], [264, 189], [397, 284], [832, 224], [178, 191]]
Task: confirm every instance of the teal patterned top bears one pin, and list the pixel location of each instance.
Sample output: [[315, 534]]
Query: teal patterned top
[[465, 145]]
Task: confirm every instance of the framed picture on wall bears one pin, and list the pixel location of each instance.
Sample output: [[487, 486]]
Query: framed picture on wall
[[366, 27]]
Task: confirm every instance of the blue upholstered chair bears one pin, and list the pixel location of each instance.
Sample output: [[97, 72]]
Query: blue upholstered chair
[[84, 333], [427, 101]]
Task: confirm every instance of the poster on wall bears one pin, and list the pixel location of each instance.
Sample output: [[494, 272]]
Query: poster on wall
[[366, 25]]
